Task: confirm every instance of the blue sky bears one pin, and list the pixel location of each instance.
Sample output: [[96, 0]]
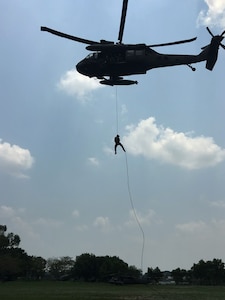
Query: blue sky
[[62, 188]]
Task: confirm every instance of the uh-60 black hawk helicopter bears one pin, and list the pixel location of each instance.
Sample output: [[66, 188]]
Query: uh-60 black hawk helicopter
[[110, 61]]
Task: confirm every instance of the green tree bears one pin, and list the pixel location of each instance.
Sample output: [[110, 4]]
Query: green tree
[[14, 261], [86, 267], [13, 240], [209, 272], [60, 268], [111, 265], [134, 272], [10, 240], [89, 267], [154, 274], [37, 266], [179, 275], [4, 242]]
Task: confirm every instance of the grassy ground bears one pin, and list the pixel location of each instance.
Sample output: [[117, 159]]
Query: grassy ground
[[94, 291]]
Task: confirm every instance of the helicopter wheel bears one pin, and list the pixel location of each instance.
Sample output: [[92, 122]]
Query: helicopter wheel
[[192, 68]]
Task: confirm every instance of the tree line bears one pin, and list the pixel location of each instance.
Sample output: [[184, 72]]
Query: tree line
[[16, 263]]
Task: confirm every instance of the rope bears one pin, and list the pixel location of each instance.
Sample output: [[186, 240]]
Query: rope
[[135, 214], [132, 203], [117, 119], [129, 190], [157, 293]]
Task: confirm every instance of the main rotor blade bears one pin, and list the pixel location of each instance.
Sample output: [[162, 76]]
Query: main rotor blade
[[209, 31], [122, 20], [67, 36], [173, 43]]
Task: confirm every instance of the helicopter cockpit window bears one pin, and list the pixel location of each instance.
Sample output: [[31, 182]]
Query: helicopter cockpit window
[[130, 52], [92, 55], [89, 55], [139, 52]]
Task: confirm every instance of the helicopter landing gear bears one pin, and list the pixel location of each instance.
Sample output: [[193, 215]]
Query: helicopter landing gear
[[192, 68]]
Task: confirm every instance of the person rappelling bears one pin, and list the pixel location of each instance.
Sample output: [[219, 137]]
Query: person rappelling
[[117, 143]]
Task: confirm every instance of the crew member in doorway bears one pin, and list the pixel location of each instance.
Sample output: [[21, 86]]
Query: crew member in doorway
[[117, 143]]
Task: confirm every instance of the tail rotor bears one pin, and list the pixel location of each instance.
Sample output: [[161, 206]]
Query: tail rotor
[[214, 48]]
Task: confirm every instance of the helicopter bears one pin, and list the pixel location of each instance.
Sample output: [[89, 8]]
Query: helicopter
[[110, 61]]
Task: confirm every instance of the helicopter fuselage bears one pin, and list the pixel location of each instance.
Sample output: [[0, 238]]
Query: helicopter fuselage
[[110, 61], [132, 61]]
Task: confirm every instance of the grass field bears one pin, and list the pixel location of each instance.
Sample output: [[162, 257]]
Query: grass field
[[45, 290]]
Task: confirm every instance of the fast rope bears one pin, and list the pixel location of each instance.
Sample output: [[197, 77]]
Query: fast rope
[[117, 119], [129, 190], [132, 205], [135, 214]]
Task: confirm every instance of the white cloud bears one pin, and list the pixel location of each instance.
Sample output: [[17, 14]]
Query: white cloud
[[108, 151], [176, 148], [48, 223], [99, 121], [219, 204], [103, 224], [76, 213], [192, 227], [80, 86], [194, 240], [218, 225], [93, 161], [146, 220], [213, 229], [15, 221], [124, 109], [81, 228], [214, 15], [6, 212], [14, 159]]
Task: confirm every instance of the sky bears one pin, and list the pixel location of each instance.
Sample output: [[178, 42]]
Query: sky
[[62, 188]]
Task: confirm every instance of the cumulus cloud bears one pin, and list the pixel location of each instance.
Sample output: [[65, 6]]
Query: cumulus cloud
[[124, 109], [214, 15], [176, 148], [219, 225], [192, 227], [144, 219], [14, 159], [48, 223], [219, 204], [93, 161], [102, 223], [76, 213], [80, 86], [14, 218], [108, 150], [7, 212], [81, 228], [210, 229]]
